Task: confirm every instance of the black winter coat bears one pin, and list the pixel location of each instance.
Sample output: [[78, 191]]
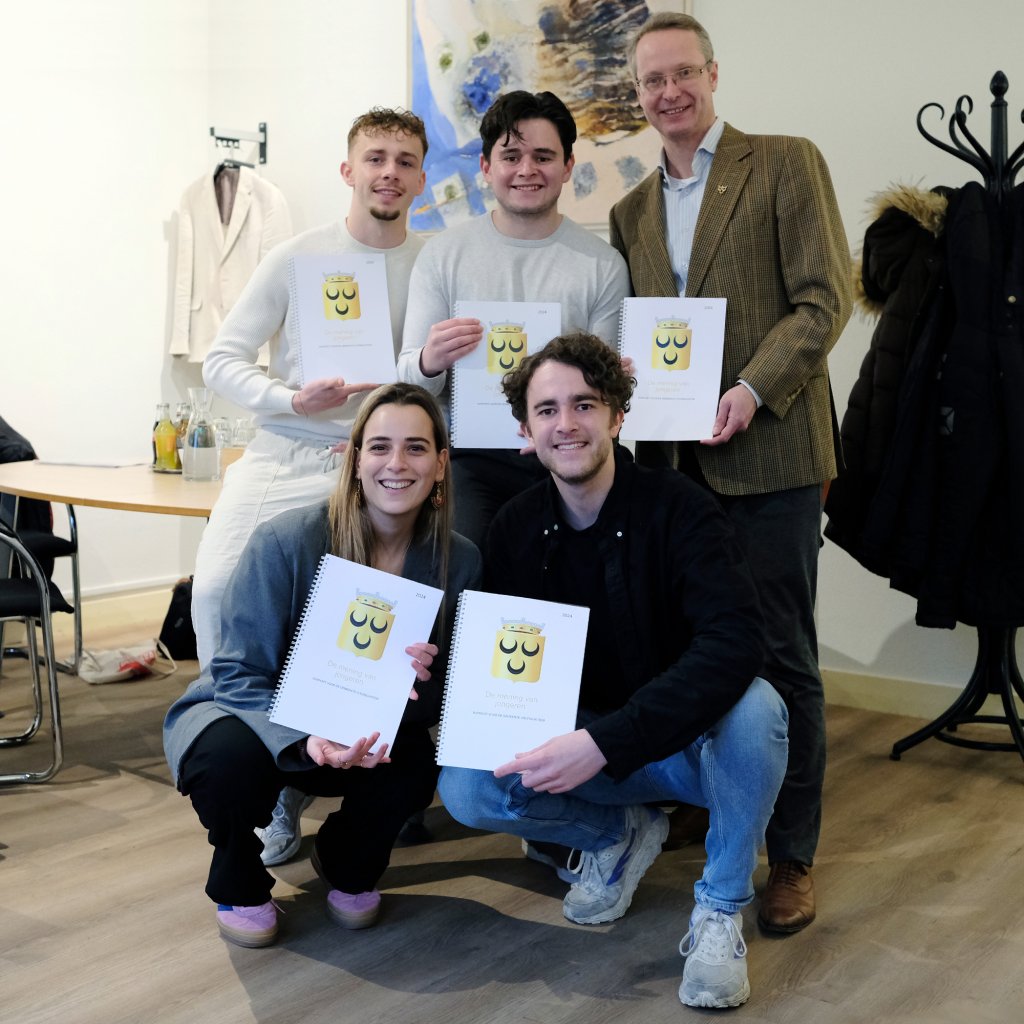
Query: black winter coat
[[898, 275], [944, 523]]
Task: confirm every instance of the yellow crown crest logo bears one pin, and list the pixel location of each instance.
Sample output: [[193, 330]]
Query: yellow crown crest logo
[[506, 347], [518, 651], [671, 345], [341, 297], [367, 626]]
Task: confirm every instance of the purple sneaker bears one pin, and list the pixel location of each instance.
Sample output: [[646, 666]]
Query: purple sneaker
[[358, 911], [251, 927], [350, 911]]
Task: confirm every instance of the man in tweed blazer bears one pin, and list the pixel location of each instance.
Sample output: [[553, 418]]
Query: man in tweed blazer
[[752, 219]]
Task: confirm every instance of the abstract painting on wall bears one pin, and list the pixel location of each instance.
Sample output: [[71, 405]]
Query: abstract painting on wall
[[466, 52]]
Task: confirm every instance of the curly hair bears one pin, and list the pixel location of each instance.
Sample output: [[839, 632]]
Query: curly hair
[[600, 365], [388, 121]]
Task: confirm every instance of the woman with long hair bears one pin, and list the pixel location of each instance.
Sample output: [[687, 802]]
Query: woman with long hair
[[392, 510]]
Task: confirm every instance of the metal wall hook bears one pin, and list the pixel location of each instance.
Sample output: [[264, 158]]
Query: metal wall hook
[[229, 138]]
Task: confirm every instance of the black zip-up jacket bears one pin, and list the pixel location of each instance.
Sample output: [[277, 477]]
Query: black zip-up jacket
[[690, 627]]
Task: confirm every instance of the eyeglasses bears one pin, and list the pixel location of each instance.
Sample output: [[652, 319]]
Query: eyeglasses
[[655, 83]]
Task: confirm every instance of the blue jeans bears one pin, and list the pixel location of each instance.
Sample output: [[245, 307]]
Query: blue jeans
[[734, 769]]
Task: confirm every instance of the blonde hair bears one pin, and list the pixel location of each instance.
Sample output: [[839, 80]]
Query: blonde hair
[[351, 530]]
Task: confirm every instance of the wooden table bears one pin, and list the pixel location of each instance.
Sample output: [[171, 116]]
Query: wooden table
[[132, 488], [129, 488]]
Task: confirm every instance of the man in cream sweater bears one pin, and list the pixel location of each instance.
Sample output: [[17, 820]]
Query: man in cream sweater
[[302, 425]]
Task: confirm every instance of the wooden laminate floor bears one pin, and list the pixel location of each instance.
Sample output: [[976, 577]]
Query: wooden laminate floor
[[103, 919]]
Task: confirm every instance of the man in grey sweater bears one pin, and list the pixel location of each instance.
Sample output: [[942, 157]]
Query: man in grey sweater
[[524, 251]]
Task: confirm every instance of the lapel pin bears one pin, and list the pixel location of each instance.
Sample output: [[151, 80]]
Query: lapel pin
[[721, 190]]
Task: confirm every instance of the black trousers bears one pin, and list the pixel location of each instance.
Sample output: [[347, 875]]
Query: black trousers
[[234, 782], [780, 534], [483, 480]]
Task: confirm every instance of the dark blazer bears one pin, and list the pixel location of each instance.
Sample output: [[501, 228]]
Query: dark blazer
[[770, 240]]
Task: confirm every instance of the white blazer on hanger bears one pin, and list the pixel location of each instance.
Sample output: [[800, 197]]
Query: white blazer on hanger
[[215, 261]]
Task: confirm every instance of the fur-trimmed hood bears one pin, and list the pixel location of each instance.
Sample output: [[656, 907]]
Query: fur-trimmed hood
[[926, 207]]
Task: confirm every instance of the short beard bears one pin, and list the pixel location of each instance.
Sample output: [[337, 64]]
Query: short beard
[[385, 215]]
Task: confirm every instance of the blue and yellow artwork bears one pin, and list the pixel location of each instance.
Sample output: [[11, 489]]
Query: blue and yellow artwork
[[466, 52]]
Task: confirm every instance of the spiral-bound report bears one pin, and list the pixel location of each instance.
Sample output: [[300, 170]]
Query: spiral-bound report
[[342, 317], [513, 678], [481, 417], [347, 674], [676, 345]]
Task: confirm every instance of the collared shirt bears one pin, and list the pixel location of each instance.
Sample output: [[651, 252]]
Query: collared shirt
[[682, 203], [683, 197]]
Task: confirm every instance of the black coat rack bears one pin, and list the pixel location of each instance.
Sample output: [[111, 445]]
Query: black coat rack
[[995, 671]]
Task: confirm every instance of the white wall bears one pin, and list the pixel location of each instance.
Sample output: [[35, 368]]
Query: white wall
[[113, 102], [105, 105]]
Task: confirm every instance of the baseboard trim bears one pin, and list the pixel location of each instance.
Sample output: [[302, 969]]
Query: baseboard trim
[[894, 696], [156, 584], [130, 610]]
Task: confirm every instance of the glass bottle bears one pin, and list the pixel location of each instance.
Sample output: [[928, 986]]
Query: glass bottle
[[160, 406], [165, 442], [182, 412], [200, 456]]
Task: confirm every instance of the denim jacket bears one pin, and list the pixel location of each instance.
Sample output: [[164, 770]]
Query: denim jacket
[[690, 626]]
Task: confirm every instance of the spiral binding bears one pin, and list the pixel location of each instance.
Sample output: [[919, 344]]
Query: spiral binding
[[452, 665], [283, 677], [293, 298]]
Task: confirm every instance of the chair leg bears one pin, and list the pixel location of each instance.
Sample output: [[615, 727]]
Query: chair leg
[[76, 596], [71, 667], [21, 738], [76, 589], [53, 696]]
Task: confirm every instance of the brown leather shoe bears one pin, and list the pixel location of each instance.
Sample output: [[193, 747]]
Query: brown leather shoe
[[787, 903]]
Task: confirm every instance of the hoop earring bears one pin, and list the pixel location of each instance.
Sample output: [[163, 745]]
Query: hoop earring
[[437, 498]]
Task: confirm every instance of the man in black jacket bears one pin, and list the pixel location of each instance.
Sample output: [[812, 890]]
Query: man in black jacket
[[670, 705]]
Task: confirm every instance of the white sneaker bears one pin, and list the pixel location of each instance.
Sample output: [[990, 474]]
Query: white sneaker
[[609, 877], [715, 974], [283, 836]]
